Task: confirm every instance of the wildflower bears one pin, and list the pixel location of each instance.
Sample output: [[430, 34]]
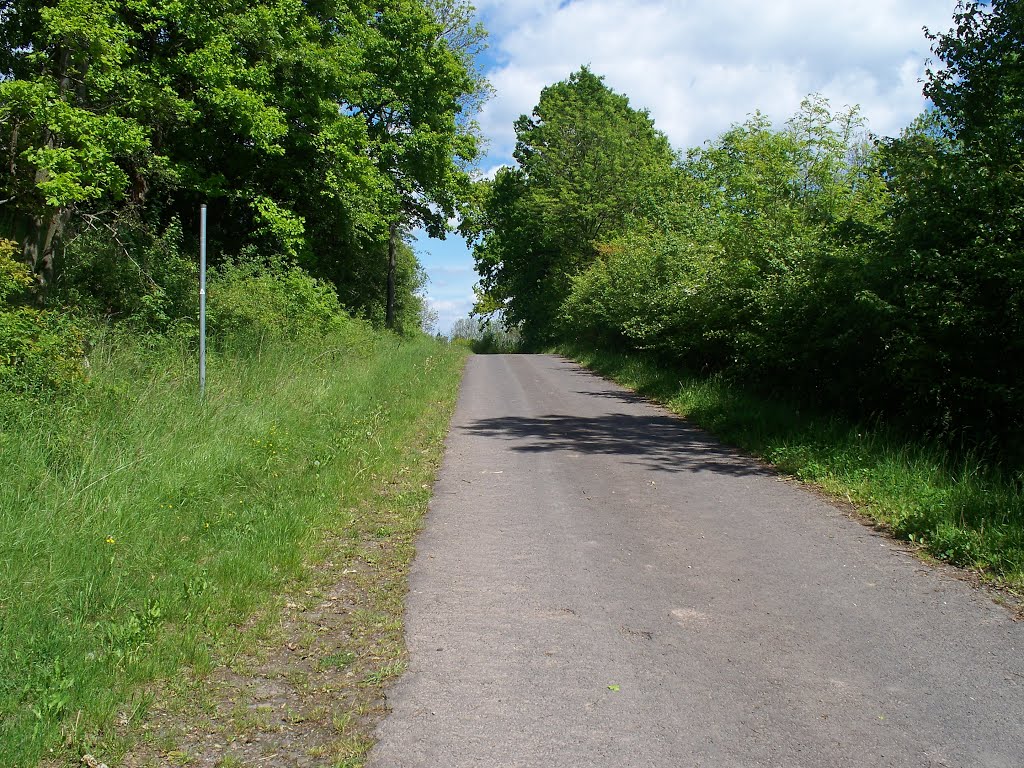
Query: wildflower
[[109, 539]]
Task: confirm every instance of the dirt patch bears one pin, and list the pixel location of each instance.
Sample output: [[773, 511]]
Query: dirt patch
[[302, 684]]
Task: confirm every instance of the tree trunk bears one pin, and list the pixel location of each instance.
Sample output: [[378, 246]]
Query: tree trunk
[[47, 226], [40, 244], [389, 315], [45, 230]]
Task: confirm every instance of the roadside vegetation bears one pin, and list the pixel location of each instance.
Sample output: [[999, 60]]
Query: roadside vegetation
[[807, 267], [486, 337], [140, 526], [139, 523], [321, 133]]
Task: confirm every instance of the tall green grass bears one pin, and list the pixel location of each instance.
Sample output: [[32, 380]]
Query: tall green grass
[[958, 508], [137, 522]]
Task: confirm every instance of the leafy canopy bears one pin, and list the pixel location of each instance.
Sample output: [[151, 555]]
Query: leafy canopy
[[587, 165]]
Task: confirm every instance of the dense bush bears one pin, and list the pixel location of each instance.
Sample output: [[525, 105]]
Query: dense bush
[[756, 274], [249, 304], [497, 340], [122, 271], [40, 351], [588, 164], [487, 337], [807, 262], [320, 132]]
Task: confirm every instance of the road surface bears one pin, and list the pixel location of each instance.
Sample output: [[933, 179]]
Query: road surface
[[600, 584]]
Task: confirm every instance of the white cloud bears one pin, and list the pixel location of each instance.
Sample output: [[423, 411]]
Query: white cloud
[[492, 170], [699, 67], [449, 305], [504, 14], [452, 271], [449, 310]]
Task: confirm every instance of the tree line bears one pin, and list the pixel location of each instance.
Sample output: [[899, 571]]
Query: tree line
[[320, 133], [882, 277]]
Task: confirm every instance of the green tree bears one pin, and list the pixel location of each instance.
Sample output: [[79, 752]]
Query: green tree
[[317, 131], [953, 273], [756, 262], [418, 87], [588, 164], [156, 105], [62, 65]]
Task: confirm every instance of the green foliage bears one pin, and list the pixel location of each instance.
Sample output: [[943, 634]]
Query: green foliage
[[497, 341], [415, 79], [955, 272], [588, 165], [135, 521], [487, 336], [309, 128], [409, 305], [881, 278], [15, 278], [497, 337], [754, 248], [40, 352], [980, 89], [63, 149], [877, 277], [467, 329], [249, 305], [118, 270], [419, 77]]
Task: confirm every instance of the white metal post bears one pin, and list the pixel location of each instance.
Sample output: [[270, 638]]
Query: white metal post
[[202, 300]]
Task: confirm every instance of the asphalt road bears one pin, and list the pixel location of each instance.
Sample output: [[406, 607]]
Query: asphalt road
[[599, 584]]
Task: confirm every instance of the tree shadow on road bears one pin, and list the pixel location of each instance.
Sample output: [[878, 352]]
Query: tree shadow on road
[[622, 395], [660, 442]]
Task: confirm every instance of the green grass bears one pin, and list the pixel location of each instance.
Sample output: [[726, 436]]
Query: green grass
[[961, 510], [136, 523]]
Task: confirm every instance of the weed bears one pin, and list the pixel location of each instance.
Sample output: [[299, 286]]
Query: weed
[[386, 672], [338, 660]]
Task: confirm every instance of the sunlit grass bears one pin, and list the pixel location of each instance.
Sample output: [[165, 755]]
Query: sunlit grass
[[137, 522]]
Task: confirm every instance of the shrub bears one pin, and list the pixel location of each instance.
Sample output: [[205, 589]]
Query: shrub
[[14, 277], [40, 351], [124, 271], [497, 340], [249, 304]]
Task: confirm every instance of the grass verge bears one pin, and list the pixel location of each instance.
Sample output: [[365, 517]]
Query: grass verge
[[141, 530], [961, 511]]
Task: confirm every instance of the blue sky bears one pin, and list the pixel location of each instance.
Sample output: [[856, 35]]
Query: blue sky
[[698, 67]]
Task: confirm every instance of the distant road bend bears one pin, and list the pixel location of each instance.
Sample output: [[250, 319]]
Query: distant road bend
[[599, 584]]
